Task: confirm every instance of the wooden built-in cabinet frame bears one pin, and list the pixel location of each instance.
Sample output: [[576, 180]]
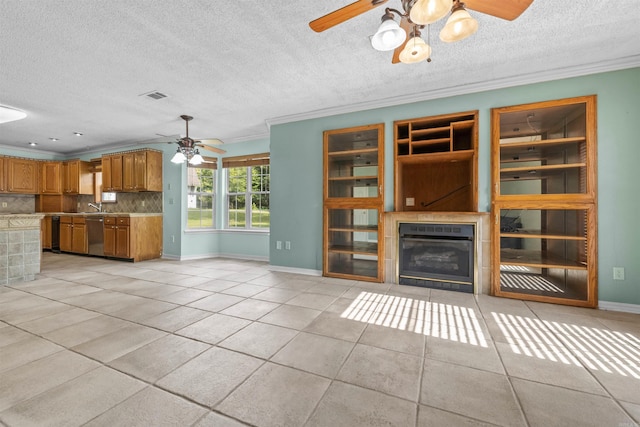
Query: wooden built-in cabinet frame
[[544, 204], [353, 171], [436, 163]]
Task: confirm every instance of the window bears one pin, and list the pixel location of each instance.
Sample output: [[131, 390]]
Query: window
[[200, 196], [248, 191]]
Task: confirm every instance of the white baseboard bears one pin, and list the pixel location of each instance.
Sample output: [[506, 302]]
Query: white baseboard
[[305, 271], [619, 306], [216, 255]]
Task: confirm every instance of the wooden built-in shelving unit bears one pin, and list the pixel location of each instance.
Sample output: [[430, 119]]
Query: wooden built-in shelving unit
[[436, 163], [544, 201]]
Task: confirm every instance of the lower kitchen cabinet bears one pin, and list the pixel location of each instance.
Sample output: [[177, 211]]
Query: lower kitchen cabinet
[[116, 237], [73, 234], [135, 238], [45, 232]]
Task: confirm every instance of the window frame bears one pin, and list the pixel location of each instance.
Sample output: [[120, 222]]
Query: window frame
[[247, 163], [208, 166]]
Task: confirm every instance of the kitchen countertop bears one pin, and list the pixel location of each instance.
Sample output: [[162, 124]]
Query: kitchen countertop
[[129, 214]]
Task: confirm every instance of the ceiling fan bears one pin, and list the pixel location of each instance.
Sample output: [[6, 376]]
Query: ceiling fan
[[188, 148], [404, 38]]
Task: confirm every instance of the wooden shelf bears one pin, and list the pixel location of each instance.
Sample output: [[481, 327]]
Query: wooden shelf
[[543, 168], [424, 142], [360, 248], [537, 259], [353, 178], [531, 234], [541, 142], [355, 228], [350, 153], [429, 131]]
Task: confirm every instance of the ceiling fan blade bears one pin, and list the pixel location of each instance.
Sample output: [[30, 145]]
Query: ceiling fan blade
[[405, 25], [209, 148], [214, 141], [343, 14], [505, 9]]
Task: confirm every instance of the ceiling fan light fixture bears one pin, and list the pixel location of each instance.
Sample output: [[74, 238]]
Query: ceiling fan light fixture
[[459, 26], [179, 157], [196, 159], [389, 35], [425, 12], [416, 50]]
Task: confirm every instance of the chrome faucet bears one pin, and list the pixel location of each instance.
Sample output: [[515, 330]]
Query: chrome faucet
[[97, 206]]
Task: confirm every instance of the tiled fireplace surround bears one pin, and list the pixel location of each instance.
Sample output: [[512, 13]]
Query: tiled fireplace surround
[[482, 240]]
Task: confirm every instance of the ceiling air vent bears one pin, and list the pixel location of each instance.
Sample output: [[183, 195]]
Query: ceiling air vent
[[155, 95]]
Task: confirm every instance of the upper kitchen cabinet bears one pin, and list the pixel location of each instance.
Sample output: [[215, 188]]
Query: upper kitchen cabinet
[[112, 172], [545, 150], [436, 163], [77, 177], [353, 166], [142, 171], [50, 177], [22, 175], [139, 170]]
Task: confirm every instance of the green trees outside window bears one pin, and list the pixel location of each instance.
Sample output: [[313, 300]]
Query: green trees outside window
[[251, 184], [200, 198]]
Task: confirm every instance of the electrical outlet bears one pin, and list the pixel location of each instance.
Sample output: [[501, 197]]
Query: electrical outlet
[[618, 273], [410, 201], [169, 186], [173, 239], [287, 245], [142, 203], [170, 201], [4, 204], [279, 245]]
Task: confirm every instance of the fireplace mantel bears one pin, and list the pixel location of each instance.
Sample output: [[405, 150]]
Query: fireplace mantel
[[482, 248]]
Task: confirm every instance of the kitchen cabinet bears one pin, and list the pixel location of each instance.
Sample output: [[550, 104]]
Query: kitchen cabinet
[[544, 201], [353, 203], [50, 177], [3, 174], [112, 172], [116, 237], [137, 237], [77, 177], [73, 234], [45, 232], [132, 171], [436, 163], [22, 175]]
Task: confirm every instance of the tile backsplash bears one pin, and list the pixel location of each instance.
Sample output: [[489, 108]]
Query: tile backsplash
[[144, 202], [16, 203]]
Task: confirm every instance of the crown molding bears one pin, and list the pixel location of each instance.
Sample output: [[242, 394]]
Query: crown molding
[[525, 79], [13, 148]]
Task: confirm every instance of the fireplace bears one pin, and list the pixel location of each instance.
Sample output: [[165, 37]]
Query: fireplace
[[437, 256]]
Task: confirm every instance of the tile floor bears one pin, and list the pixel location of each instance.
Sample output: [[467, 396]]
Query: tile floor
[[227, 343]]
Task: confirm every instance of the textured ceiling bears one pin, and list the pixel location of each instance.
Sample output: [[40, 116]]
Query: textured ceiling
[[79, 65]]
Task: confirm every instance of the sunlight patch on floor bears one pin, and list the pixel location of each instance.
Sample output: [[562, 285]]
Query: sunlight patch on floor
[[595, 348], [446, 321]]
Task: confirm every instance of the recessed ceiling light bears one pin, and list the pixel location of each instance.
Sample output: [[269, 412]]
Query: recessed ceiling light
[[53, 139], [33, 144], [77, 134]]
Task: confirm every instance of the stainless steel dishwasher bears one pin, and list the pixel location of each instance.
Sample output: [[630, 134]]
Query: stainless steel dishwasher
[[95, 234]]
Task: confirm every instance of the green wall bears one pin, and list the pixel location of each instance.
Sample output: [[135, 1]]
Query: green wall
[[199, 244], [296, 172]]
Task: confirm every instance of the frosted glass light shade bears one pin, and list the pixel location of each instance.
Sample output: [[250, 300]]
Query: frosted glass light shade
[[196, 159], [459, 26], [178, 157], [416, 50], [425, 12], [389, 36]]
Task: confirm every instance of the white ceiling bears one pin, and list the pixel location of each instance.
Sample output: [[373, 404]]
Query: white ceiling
[[237, 66]]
